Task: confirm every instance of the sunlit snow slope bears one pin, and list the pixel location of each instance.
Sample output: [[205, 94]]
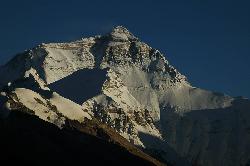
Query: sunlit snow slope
[[130, 86]]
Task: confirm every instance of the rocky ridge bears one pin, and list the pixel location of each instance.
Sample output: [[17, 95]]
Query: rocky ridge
[[132, 88]]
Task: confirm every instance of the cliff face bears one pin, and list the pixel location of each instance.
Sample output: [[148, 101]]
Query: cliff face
[[132, 88]]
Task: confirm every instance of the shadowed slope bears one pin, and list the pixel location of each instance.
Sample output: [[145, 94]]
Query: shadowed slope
[[28, 140], [210, 136], [81, 85]]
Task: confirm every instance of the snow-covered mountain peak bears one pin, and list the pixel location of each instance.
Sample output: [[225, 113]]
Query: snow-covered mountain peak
[[120, 28], [121, 34], [117, 49], [131, 87]]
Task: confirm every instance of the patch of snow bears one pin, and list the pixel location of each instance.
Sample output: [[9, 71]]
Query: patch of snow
[[68, 108]]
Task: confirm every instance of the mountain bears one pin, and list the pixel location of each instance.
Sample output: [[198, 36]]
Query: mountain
[[130, 87], [36, 130]]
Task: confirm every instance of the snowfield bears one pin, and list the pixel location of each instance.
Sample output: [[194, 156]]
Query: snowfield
[[131, 87]]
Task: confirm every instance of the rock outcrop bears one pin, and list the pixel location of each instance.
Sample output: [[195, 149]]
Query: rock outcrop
[[132, 88]]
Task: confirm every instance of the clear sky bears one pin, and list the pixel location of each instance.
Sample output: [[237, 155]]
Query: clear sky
[[206, 40]]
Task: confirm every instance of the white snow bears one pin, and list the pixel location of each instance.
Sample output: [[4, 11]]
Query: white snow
[[143, 97], [68, 108], [42, 107], [36, 103]]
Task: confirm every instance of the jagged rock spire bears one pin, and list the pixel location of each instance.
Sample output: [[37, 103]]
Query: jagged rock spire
[[120, 33], [120, 28]]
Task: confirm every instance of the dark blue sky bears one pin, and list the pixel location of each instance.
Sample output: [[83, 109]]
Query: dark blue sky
[[207, 40]]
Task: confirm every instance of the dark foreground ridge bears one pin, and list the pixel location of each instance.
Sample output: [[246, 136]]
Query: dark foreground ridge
[[26, 139], [112, 95]]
